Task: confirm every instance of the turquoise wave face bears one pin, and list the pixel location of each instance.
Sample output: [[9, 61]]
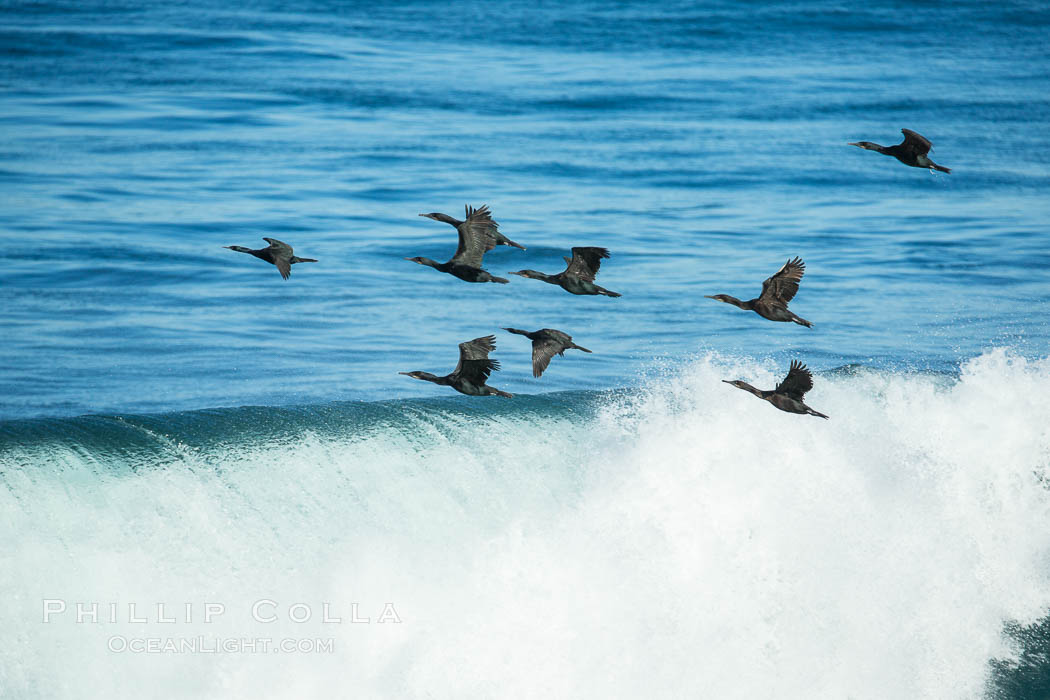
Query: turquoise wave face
[[217, 430], [683, 525]]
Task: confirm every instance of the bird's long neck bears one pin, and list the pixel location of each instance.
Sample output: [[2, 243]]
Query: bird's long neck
[[447, 219], [516, 330], [428, 377], [757, 392], [433, 263], [549, 279], [749, 305], [261, 253]]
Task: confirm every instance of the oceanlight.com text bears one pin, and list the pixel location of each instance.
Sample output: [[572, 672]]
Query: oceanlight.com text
[[119, 644]]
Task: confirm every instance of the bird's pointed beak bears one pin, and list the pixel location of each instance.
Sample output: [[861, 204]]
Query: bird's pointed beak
[[407, 374], [725, 381], [516, 273], [708, 296], [855, 144]]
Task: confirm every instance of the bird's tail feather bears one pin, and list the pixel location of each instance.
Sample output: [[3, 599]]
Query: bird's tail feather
[[505, 395], [802, 322], [606, 292], [940, 167], [577, 347], [500, 280], [299, 260], [816, 413], [516, 245]]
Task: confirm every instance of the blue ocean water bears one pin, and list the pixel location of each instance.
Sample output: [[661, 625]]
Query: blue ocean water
[[702, 146], [177, 421]]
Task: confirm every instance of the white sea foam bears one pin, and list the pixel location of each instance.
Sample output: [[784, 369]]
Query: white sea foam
[[690, 541]]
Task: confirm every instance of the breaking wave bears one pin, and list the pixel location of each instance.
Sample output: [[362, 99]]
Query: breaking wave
[[682, 539]]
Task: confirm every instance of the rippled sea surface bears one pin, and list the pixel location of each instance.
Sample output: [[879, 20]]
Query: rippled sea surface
[[703, 146]]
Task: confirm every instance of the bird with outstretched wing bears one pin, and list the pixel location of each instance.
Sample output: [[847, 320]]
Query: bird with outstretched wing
[[474, 363], [585, 262], [916, 142], [781, 287], [798, 381], [476, 237]]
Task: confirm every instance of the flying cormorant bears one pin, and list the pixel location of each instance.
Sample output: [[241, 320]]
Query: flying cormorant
[[578, 277], [480, 217], [472, 372], [911, 151], [278, 253], [546, 343], [788, 394], [477, 235], [777, 291]]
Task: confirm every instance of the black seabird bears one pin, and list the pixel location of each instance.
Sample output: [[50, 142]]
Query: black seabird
[[472, 372], [578, 276], [476, 217], [277, 253], [546, 343], [788, 394], [911, 151], [777, 291], [477, 235]]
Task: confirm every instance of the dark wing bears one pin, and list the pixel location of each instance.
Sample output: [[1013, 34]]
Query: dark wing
[[477, 371], [585, 262], [281, 253], [477, 236], [474, 363], [284, 266], [916, 142], [481, 218], [279, 247], [782, 286], [797, 382], [477, 349], [543, 349]]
